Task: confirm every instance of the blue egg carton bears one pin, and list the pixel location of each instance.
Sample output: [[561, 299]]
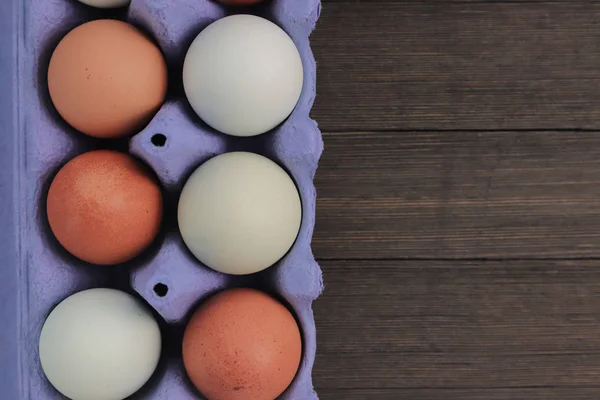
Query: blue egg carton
[[38, 273]]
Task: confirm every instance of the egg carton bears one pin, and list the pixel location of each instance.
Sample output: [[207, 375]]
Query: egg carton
[[38, 273]]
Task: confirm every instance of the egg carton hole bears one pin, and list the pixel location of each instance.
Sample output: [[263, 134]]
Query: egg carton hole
[[161, 290], [159, 140]]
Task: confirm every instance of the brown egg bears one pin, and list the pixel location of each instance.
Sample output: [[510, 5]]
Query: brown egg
[[107, 79], [104, 207], [242, 344]]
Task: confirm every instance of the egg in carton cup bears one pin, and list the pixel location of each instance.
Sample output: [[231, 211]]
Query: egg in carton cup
[[174, 144]]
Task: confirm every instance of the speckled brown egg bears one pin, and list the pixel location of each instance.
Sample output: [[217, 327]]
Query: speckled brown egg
[[104, 207], [107, 79], [242, 344]]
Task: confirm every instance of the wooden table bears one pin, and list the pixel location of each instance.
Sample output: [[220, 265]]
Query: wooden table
[[459, 200]]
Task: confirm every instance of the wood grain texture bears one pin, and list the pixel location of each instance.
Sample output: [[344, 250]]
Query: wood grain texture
[[451, 1], [457, 211], [468, 330], [400, 195], [457, 65], [462, 394]]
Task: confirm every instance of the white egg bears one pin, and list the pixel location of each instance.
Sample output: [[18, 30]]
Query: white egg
[[106, 3], [239, 213], [99, 344], [243, 75]]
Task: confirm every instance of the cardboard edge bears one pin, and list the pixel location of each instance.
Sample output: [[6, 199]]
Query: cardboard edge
[[10, 213]]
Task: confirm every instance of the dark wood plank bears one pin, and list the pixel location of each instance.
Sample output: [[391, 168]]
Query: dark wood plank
[[461, 394], [440, 330], [451, 1], [459, 195], [460, 65]]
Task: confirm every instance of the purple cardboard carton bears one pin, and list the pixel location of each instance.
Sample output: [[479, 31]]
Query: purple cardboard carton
[[37, 273]]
